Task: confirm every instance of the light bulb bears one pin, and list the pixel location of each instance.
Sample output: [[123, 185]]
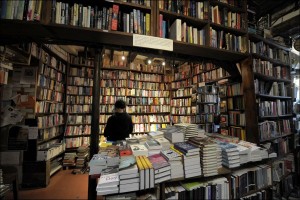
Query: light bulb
[[163, 63], [149, 61], [123, 57]]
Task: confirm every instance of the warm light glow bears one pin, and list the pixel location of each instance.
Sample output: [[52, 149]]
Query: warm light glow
[[123, 57], [163, 63], [149, 61]]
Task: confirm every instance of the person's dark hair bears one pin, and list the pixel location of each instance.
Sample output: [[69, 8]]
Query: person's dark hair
[[120, 104]]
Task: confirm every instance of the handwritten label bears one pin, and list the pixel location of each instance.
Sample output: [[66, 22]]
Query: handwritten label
[[152, 42]]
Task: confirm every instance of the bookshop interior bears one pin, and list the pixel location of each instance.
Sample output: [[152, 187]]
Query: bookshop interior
[[211, 87]]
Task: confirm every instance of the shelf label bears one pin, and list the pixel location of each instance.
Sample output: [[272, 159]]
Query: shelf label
[[151, 42]]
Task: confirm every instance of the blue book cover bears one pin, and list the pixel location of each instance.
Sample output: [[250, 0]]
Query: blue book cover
[[186, 147]]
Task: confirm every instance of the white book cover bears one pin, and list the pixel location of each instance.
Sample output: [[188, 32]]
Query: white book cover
[[130, 170], [108, 179], [175, 30], [139, 150]]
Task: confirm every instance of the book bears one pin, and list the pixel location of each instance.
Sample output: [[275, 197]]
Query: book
[[186, 147], [126, 162], [139, 150], [108, 180], [141, 171], [175, 30], [158, 162], [114, 19]]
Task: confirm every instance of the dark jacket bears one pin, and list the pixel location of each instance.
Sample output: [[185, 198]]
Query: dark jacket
[[118, 127]]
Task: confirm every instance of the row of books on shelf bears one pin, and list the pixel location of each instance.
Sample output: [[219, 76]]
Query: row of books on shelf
[[79, 90], [181, 102], [50, 120], [78, 130], [50, 95], [113, 83], [79, 119], [84, 72], [48, 107], [274, 129], [23, 10], [234, 89], [181, 31], [228, 41], [51, 73], [111, 99], [223, 16], [233, 131], [147, 101], [51, 62], [266, 50], [274, 108], [80, 81], [78, 108], [194, 9], [181, 84], [203, 67], [140, 66], [210, 75], [205, 118], [147, 109], [183, 110], [106, 18], [145, 77], [207, 98], [207, 108], [268, 69], [77, 142], [237, 118], [183, 119], [147, 85], [79, 60], [47, 144], [149, 93], [182, 92], [236, 103], [51, 84], [283, 167], [272, 89], [74, 99], [45, 134], [142, 128]]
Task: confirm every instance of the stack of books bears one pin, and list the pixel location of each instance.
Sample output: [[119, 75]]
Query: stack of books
[[139, 150], [97, 164], [108, 184], [174, 159], [165, 144], [129, 175], [69, 159], [81, 161], [208, 153], [189, 130], [256, 153], [162, 169], [230, 155], [173, 134], [191, 159], [153, 147], [244, 153], [146, 172], [156, 134]]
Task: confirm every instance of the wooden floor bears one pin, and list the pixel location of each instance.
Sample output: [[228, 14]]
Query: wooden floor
[[63, 185]]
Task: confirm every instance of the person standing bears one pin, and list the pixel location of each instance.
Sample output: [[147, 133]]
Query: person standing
[[119, 125]]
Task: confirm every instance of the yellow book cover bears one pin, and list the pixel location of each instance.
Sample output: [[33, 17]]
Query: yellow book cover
[[172, 147], [148, 31], [139, 163]]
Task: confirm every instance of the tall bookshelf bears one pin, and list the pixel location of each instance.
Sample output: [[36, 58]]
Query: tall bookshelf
[[79, 102]]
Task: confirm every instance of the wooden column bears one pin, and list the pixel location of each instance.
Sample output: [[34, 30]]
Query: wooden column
[[94, 140], [251, 113]]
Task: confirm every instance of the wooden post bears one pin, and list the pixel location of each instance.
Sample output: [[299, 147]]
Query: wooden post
[[250, 101], [94, 140]]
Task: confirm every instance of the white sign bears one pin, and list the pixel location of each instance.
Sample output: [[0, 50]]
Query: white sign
[[152, 42]]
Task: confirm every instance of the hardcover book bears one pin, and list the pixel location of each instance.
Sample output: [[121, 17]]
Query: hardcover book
[[186, 147], [158, 161]]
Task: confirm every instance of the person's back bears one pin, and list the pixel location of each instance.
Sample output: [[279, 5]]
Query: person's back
[[119, 125]]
